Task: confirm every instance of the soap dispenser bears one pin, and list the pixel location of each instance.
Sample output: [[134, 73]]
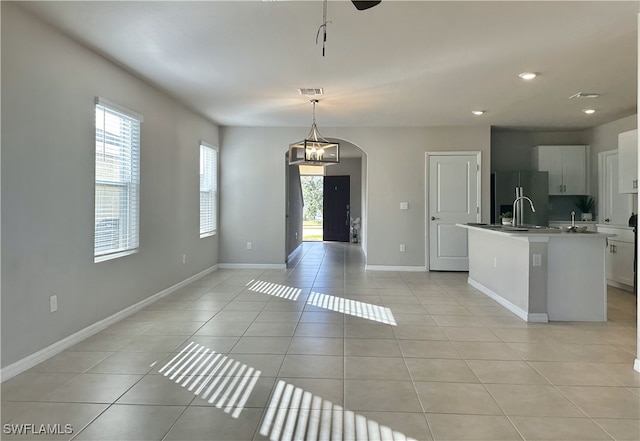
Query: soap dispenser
[[633, 220]]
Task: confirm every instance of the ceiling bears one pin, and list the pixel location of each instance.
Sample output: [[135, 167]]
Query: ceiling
[[402, 64]]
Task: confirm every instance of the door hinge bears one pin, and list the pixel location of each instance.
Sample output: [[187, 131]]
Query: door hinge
[[477, 167], [477, 210]]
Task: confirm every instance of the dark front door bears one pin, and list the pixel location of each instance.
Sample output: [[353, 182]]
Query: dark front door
[[335, 210]]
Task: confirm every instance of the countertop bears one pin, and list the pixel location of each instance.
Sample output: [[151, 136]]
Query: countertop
[[542, 233], [620, 227]]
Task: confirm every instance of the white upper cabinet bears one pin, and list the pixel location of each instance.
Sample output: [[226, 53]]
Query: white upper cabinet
[[628, 162], [567, 166]]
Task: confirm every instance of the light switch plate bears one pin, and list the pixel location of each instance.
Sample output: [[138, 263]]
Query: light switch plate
[[404, 205], [537, 260]]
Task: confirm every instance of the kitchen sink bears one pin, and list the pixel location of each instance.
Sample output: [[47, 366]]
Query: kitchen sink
[[523, 228]]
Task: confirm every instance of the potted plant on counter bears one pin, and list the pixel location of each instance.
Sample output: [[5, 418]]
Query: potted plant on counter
[[585, 204], [507, 218]]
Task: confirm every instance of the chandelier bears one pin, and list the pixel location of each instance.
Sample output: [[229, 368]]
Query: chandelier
[[314, 149]]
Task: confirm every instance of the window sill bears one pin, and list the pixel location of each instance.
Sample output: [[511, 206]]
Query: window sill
[[106, 257], [202, 236]]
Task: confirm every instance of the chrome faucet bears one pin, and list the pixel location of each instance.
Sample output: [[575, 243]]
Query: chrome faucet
[[517, 219]]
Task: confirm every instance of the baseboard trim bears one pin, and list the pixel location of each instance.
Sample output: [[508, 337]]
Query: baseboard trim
[[277, 266], [619, 285], [636, 365], [395, 268], [539, 317], [29, 361]]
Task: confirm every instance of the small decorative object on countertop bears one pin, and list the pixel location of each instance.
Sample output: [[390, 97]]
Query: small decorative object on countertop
[[585, 204]]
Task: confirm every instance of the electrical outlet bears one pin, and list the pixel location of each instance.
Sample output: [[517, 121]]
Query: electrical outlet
[[495, 262], [53, 303], [249, 245], [184, 259], [403, 248], [537, 260]]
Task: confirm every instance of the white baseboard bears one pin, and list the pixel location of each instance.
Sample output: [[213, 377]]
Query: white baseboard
[[277, 266], [636, 365], [29, 361], [540, 317], [395, 268], [619, 285]]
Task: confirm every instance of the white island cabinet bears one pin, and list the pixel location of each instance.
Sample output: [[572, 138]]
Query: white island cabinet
[[543, 275]]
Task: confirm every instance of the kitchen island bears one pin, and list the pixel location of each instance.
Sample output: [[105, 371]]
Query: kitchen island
[[540, 274]]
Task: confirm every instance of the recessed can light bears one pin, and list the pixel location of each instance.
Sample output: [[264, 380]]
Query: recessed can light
[[478, 112], [528, 75], [589, 111]]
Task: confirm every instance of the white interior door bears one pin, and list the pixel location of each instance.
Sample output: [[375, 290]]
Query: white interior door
[[454, 189], [614, 207]]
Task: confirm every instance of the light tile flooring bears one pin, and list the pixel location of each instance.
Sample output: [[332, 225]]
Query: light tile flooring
[[242, 355]]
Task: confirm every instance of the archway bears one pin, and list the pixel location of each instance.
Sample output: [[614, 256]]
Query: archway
[[353, 163]]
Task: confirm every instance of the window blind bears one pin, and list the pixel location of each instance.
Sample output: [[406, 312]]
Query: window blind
[[208, 190], [117, 180]]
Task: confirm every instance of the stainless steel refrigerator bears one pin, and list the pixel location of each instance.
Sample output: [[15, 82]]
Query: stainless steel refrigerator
[[533, 184]]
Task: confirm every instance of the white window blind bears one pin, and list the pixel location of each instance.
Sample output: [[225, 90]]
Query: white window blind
[[208, 190], [117, 181]]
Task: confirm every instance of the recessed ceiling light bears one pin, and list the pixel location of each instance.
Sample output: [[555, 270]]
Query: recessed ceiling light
[[589, 111], [528, 75], [478, 112]]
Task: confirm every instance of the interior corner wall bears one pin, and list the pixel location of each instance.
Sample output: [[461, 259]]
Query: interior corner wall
[[252, 194], [364, 189], [295, 206], [49, 84], [602, 138]]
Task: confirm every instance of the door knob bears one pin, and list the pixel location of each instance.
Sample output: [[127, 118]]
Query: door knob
[[435, 218], [607, 220]]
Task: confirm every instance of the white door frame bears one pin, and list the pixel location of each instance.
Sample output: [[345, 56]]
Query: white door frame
[[427, 215], [601, 185]]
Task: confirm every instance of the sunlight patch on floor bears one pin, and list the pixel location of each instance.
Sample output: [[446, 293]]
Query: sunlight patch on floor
[[228, 382], [352, 307]]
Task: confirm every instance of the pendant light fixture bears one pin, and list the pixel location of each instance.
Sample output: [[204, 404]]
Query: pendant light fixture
[[314, 149]]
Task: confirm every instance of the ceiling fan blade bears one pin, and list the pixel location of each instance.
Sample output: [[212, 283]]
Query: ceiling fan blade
[[362, 5]]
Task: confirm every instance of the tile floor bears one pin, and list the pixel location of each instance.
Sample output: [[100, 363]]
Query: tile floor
[[246, 355]]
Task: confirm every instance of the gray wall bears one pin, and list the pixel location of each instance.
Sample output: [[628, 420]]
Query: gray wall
[[252, 193], [253, 180], [396, 159], [295, 205], [364, 199], [511, 149], [49, 84]]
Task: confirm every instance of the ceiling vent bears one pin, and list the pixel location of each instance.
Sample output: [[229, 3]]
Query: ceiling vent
[[585, 95], [310, 91]]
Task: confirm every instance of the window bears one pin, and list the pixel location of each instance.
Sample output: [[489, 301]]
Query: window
[[208, 189], [117, 181]]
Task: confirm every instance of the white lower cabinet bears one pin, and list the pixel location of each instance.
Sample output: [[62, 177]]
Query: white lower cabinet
[[619, 256]]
